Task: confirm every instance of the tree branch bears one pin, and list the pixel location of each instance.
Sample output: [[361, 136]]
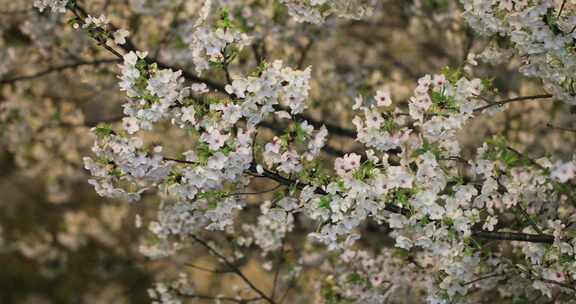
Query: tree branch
[[488, 276], [551, 126], [220, 271], [490, 235], [279, 261], [217, 298], [513, 236], [57, 69], [506, 101], [234, 269], [481, 234]]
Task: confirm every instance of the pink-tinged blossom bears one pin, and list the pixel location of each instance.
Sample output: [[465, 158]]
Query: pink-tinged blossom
[[383, 98], [344, 166], [563, 172], [214, 138]]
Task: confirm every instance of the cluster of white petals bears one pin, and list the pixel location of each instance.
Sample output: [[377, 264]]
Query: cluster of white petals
[[213, 46], [276, 86], [152, 92], [58, 6], [316, 11], [538, 32]]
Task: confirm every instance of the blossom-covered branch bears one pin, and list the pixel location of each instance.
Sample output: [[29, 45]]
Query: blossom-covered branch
[[437, 206]]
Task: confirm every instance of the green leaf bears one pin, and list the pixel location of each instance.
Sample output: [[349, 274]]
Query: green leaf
[[365, 171], [203, 152], [104, 130], [325, 202], [452, 75], [552, 22], [71, 4], [224, 21], [355, 278]]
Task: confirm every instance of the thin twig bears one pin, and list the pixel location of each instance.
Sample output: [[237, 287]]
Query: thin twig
[[533, 224], [482, 234], [489, 276], [233, 268], [217, 298], [539, 278], [279, 261], [513, 236], [255, 193], [208, 269], [522, 155], [304, 53], [506, 101], [16, 12], [551, 126], [291, 285], [57, 69], [561, 9]]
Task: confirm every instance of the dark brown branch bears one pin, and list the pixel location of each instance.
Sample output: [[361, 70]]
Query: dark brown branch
[[259, 50], [233, 268], [506, 101], [216, 298], [561, 9], [129, 46], [208, 269], [256, 192], [56, 69], [489, 276], [551, 126], [503, 236], [481, 234], [279, 261], [513, 236], [283, 180], [304, 53], [525, 157], [16, 12]]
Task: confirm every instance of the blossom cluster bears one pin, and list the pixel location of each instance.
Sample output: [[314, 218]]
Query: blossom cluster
[[276, 86], [199, 191], [541, 32], [217, 46], [58, 6], [316, 11], [273, 224], [366, 278], [152, 91]]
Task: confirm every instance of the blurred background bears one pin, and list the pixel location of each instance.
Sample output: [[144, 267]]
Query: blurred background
[[62, 243]]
